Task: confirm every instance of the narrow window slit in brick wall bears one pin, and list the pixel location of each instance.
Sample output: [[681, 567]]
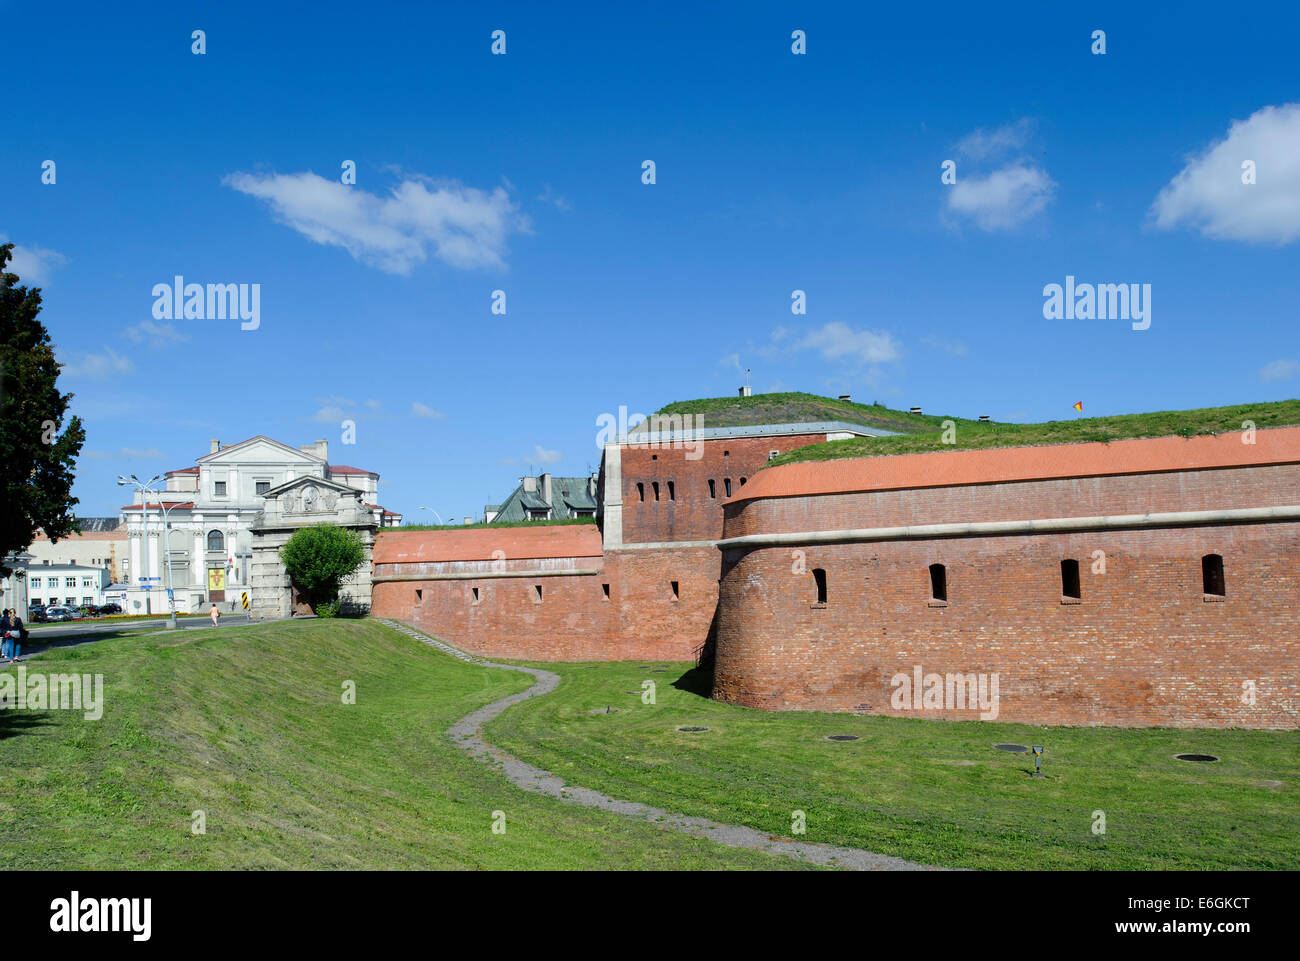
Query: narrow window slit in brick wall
[[605, 588], [1212, 575], [537, 596], [655, 485], [726, 486], [475, 595], [819, 577], [1070, 579], [672, 491], [640, 491], [713, 488], [938, 582], [676, 593], [419, 595]]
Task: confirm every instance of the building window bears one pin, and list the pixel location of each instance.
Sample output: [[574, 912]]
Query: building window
[[419, 595], [726, 486], [87, 601], [713, 488], [262, 487], [742, 482], [655, 485], [677, 594], [819, 577], [219, 488], [1212, 575], [726, 453], [537, 595], [475, 590], [640, 491], [672, 491], [69, 582], [215, 541], [938, 582], [36, 582], [87, 582], [605, 588], [1070, 579]]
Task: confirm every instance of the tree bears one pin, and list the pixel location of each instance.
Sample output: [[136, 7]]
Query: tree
[[37, 452], [318, 558]]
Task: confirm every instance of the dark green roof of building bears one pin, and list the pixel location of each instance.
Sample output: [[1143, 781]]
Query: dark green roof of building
[[568, 495]]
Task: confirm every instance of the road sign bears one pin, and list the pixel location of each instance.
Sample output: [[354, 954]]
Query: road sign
[[243, 597], [170, 596]]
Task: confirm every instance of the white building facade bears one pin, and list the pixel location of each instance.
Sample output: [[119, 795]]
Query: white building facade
[[205, 522]]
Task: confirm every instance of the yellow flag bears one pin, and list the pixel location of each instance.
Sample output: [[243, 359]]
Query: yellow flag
[[1079, 407]]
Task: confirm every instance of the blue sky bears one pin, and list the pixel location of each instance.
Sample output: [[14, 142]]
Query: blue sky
[[523, 172]]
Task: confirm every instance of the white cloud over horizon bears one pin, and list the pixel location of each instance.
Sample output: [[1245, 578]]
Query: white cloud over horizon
[[95, 366], [33, 265], [1003, 199], [425, 411], [462, 226], [1279, 370], [1208, 194]]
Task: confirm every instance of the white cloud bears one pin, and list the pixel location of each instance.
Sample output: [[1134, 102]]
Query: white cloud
[[838, 341], [731, 360], [1208, 195], [97, 366], [329, 415], [1002, 199], [151, 332], [421, 410], [981, 144], [459, 225], [954, 347], [33, 265], [1279, 370], [540, 455], [551, 197], [373, 404]]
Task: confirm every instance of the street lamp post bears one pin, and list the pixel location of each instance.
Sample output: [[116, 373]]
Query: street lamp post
[[435, 514]]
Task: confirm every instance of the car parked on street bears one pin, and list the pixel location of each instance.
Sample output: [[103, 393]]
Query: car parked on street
[[36, 614], [58, 614]]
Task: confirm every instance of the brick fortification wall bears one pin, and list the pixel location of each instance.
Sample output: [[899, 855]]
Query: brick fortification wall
[[573, 619], [691, 511], [1143, 644]]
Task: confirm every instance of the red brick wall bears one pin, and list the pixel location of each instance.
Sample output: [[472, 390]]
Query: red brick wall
[[573, 621], [1142, 648], [693, 515]]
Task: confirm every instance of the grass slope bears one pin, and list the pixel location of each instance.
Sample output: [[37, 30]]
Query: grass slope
[[796, 408], [247, 724], [972, 434], [908, 788]]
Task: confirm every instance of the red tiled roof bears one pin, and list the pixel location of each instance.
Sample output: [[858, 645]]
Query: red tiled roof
[[478, 544], [155, 506], [345, 469], [1280, 445], [183, 470]]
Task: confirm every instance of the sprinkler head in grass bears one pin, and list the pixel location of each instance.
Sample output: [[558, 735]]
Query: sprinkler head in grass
[[1038, 760]]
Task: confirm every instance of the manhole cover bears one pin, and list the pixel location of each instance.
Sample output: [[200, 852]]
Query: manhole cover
[[692, 730], [1013, 748], [1195, 757], [841, 737]]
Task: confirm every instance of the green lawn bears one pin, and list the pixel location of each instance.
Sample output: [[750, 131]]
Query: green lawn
[[909, 787], [247, 724]]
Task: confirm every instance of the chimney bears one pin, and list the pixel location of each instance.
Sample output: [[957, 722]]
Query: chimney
[[546, 488], [323, 449], [214, 445], [529, 483], [746, 391], [845, 397]]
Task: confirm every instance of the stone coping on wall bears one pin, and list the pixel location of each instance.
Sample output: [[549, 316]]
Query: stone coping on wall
[[1279, 445], [488, 543]]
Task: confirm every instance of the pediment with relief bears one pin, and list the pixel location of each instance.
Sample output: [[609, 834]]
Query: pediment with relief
[[313, 495]]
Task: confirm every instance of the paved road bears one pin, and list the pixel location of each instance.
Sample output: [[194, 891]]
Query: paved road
[[84, 630]]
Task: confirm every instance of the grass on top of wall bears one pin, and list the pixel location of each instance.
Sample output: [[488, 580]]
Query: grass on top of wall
[[562, 522], [969, 435]]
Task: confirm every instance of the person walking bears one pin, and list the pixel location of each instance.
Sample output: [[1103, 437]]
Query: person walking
[[6, 628], [216, 614], [19, 634]]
